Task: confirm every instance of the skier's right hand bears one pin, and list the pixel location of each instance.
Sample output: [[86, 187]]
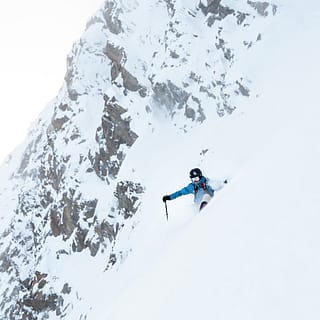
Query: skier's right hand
[[166, 198]]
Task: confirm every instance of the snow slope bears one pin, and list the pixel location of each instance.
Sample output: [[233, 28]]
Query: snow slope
[[253, 253]]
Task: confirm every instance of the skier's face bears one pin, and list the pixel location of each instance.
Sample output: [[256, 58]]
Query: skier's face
[[195, 179]]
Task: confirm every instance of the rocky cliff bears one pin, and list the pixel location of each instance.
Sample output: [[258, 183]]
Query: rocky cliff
[[138, 63]]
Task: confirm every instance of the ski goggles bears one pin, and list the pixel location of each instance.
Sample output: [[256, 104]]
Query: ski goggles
[[195, 179]]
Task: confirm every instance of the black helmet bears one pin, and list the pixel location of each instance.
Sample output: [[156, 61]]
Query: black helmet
[[196, 172]]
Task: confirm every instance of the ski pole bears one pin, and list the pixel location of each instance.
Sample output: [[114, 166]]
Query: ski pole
[[165, 203]]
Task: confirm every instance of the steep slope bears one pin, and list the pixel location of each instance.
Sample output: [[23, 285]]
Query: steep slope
[[253, 252], [151, 90]]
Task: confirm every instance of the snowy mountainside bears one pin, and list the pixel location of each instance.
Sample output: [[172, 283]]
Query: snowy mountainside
[[253, 253], [146, 81]]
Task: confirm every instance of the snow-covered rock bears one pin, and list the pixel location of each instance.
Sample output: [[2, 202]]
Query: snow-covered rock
[[74, 192]]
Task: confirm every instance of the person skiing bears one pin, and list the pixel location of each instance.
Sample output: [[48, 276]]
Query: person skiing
[[199, 186]]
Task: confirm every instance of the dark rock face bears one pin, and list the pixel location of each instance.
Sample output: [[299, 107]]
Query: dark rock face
[[170, 7], [175, 99], [127, 194], [118, 58], [216, 11], [169, 95], [66, 214], [111, 16], [112, 135], [38, 301], [33, 302], [262, 7]]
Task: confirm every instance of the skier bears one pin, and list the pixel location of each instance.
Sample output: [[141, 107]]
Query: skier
[[199, 186]]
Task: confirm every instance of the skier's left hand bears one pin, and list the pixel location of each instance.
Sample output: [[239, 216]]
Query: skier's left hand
[[166, 198]]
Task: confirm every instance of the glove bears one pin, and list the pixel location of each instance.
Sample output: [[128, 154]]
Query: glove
[[166, 198]]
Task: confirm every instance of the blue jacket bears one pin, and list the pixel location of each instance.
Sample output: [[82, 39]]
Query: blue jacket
[[197, 188]]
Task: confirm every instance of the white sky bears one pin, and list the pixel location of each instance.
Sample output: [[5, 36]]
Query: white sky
[[35, 38]]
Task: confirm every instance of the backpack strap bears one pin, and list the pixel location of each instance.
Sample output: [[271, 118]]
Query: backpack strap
[[203, 185]]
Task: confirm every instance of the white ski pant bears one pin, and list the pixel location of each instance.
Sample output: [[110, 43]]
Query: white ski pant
[[206, 197]]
